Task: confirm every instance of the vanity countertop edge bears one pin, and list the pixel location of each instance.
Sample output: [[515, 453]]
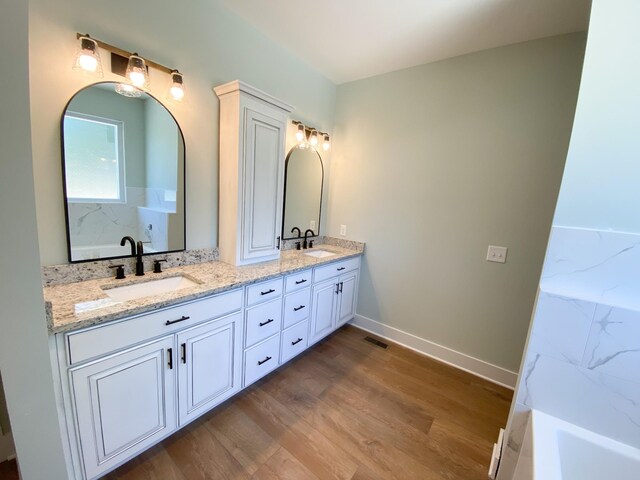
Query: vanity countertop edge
[[213, 277]]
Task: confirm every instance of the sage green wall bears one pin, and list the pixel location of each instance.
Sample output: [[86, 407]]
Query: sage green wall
[[431, 165], [207, 42], [25, 364], [161, 146], [600, 183]]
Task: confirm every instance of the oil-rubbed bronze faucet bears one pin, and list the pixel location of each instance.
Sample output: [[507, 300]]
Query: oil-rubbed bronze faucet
[[135, 252], [306, 244]]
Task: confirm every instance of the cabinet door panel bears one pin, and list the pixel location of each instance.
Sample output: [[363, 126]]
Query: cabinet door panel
[[209, 370], [324, 298], [348, 297], [124, 404], [263, 159]]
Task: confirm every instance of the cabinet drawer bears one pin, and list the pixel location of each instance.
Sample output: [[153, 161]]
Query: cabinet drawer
[[99, 340], [261, 359], [296, 307], [263, 321], [261, 292], [335, 269], [296, 281], [294, 340]]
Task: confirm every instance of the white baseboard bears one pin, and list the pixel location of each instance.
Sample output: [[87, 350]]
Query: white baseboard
[[480, 368], [7, 450]]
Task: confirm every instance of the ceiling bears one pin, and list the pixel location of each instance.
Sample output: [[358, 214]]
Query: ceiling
[[352, 39]]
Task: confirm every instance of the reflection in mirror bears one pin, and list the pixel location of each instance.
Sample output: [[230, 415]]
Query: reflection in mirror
[[304, 175], [123, 171]]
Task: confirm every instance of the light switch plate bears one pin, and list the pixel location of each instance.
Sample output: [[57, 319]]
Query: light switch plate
[[343, 230], [497, 254]]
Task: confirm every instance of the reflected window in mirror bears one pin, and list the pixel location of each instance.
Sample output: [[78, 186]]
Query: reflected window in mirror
[[123, 171], [304, 177]]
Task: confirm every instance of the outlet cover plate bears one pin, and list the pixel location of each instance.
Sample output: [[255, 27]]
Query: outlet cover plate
[[343, 230], [497, 254]]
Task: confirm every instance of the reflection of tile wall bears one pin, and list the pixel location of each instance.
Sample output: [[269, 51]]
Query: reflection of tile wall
[[582, 363]]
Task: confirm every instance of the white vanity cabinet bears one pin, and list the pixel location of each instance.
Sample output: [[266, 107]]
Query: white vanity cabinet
[[124, 403], [252, 138]]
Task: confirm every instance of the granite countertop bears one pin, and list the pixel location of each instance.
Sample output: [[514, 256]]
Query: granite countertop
[[76, 305]]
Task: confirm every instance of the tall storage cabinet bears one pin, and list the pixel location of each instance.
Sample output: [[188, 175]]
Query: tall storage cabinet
[[252, 139]]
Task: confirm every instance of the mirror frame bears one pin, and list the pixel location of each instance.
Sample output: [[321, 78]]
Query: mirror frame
[[64, 180], [284, 196]]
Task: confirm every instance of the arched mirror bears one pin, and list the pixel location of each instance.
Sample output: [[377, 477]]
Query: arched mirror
[[304, 177], [123, 161]]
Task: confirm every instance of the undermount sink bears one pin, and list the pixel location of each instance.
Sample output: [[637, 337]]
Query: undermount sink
[[319, 254], [151, 287]]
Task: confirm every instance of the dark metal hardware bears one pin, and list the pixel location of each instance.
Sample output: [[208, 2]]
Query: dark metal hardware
[[264, 361], [271, 290], [183, 352], [278, 243], [297, 245], [299, 308], [170, 358], [262, 324], [337, 288], [306, 243], [297, 341], [119, 271], [298, 282], [310, 243], [157, 265], [181, 319], [299, 232], [341, 268], [136, 251], [341, 285]]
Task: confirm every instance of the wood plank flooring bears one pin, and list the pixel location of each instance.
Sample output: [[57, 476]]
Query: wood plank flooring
[[344, 410]]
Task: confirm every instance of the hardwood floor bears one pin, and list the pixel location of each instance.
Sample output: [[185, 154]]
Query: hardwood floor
[[345, 409], [9, 470]]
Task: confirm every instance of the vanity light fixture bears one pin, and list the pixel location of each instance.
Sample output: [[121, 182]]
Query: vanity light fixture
[[129, 65], [300, 133], [326, 144], [176, 90], [88, 56], [313, 138]]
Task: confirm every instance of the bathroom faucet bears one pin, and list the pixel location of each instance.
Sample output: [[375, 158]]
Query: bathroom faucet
[[299, 232], [304, 244], [135, 252]]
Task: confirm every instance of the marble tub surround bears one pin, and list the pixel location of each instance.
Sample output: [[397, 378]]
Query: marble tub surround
[[79, 272], [76, 305]]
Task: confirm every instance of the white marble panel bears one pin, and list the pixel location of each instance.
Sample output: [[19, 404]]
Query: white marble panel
[[614, 343], [602, 403], [561, 327]]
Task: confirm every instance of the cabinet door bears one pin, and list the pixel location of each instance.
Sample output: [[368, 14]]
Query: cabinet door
[[262, 182], [324, 300], [124, 403], [348, 297], [210, 362]]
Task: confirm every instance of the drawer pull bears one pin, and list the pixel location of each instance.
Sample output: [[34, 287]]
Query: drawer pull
[[264, 361], [341, 268], [170, 358], [298, 308], [271, 290], [262, 324], [181, 319], [298, 282], [297, 341]]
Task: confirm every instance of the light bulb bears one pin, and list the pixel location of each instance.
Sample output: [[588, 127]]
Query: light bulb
[[313, 140], [87, 58], [127, 90], [300, 133], [176, 90], [137, 71], [326, 145]]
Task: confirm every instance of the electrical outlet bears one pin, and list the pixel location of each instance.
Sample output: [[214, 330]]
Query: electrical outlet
[[497, 254], [312, 225], [343, 230]]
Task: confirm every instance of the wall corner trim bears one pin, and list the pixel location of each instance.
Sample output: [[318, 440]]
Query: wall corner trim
[[477, 367]]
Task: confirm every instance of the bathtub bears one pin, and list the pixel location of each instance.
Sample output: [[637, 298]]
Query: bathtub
[[104, 251], [557, 450]]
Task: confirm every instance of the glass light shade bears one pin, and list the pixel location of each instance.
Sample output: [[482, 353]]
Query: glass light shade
[[137, 71], [88, 57], [127, 90], [176, 89], [300, 133], [326, 144], [313, 139]]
